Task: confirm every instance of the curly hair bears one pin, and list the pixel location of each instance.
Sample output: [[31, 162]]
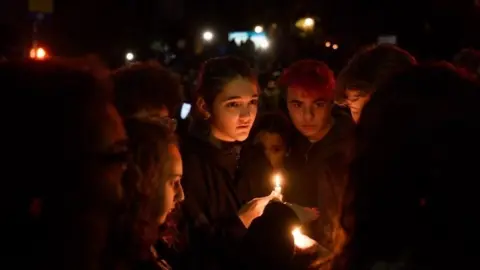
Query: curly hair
[[143, 182], [146, 86], [370, 68]]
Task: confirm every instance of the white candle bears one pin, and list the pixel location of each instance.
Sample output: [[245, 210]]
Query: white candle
[[278, 183], [277, 190]]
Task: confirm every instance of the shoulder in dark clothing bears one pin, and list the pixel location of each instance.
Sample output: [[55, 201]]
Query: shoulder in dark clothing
[[211, 203]]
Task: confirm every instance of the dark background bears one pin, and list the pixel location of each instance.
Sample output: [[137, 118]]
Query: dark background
[[431, 29]]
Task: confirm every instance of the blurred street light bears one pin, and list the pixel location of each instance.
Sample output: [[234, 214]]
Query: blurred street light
[[308, 23], [328, 44], [305, 24], [264, 45], [258, 29], [335, 46], [129, 56], [207, 36]]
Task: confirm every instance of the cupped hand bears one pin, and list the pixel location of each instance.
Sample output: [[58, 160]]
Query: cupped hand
[[253, 209]]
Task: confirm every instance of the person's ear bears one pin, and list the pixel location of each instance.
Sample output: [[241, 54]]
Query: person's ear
[[203, 108]]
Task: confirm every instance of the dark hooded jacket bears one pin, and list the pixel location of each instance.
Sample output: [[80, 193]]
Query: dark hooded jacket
[[317, 174]]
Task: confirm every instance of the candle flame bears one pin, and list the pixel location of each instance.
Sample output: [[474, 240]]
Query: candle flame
[[302, 241], [277, 179]]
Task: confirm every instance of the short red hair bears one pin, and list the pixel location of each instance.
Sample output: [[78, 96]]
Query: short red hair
[[311, 75]]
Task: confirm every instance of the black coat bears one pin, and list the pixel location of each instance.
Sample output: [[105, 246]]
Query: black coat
[[214, 193]]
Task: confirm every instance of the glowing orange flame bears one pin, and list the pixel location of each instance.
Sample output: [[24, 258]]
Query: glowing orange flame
[[302, 241]]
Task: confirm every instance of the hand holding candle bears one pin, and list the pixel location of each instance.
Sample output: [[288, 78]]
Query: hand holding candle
[[253, 209]]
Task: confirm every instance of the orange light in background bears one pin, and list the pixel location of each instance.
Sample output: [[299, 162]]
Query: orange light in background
[[41, 54], [33, 53], [305, 24], [328, 44], [335, 46], [38, 53]]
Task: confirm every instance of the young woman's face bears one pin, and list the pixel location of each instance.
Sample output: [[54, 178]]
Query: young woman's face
[[234, 110], [171, 189]]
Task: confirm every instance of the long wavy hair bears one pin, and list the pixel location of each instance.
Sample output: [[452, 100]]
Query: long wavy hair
[[142, 182]]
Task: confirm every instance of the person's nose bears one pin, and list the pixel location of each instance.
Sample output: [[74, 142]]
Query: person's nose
[[180, 195], [245, 112], [308, 114]]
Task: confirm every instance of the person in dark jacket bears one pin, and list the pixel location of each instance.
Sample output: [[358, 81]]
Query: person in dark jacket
[[269, 243], [413, 179], [320, 148], [64, 183], [216, 209], [366, 71]]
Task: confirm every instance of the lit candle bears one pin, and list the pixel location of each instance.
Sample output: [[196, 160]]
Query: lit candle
[[302, 241], [277, 190]]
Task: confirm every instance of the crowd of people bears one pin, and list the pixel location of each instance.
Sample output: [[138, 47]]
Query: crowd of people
[[374, 163]]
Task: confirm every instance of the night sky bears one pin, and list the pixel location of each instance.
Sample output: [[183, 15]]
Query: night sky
[[79, 26]]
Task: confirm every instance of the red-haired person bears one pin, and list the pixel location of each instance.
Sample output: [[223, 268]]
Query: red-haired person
[[319, 149]]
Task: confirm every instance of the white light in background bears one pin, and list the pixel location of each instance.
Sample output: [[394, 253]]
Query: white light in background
[[264, 44], [238, 37], [129, 56], [309, 22], [207, 36], [260, 41], [185, 111], [258, 29], [335, 46], [328, 44]]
